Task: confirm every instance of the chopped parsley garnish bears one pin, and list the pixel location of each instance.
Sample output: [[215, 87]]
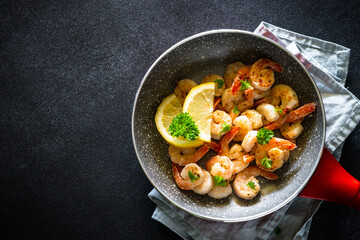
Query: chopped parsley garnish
[[245, 85], [220, 82], [235, 110], [264, 136], [279, 110], [219, 181], [277, 230], [251, 185], [267, 163], [225, 128], [192, 177], [183, 125]]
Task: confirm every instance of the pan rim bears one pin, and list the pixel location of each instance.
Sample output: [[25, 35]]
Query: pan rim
[[287, 200]]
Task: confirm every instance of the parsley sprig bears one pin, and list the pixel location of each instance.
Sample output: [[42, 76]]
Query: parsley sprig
[[266, 162], [183, 125], [279, 110], [219, 181], [192, 177], [220, 82], [245, 85], [251, 185], [225, 128], [264, 136], [235, 110]]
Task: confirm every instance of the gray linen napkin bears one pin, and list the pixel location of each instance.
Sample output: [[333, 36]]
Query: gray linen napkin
[[328, 64]]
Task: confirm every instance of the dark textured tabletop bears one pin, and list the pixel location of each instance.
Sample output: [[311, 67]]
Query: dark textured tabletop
[[69, 74]]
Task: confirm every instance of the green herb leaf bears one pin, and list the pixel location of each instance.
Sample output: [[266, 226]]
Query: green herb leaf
[[219, 181], [183, 125], [267, 163], [236, 110], [225, 128], [264, 136], [192, 177], [277, 230], [245, 85], [220, 82], [279, 110], [251, 185]]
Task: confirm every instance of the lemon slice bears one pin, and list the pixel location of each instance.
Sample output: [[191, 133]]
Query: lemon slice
[[169, 108], [199, 104]]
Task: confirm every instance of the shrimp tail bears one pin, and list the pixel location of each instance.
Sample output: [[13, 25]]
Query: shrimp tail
[[226, 139], [248, 158], [301, 112], [214, 146], [216, 102], [269, 175], [176, 169]]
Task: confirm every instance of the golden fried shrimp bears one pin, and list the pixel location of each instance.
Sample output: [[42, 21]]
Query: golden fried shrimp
[[294, 115], [249, 141], [218, 119], [206, 185], [220, 166], [291, 130], [246, 190], [219, 192], [228, 100], [255, 118], [242, 75], [261, 76], [231, 72], [276, 151], [213, 78], [268, 111], [184, 156], [284, 97], [237, 155], [258, 94], [244, 126], [182, 89], [182, 176]]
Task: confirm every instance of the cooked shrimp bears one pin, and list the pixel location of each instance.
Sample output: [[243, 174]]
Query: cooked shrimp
[[241, 183], [242, 75], [219, 192], [225, 141], [258, 94], [182, 89], [277, 151], [219, 119], [291, 130], [213, 78], [254, 117], [237, 155], [244, 125], [284, 97], [261, 77], [249, 141], [182, 176], [268, 111], [206, 185], [228, 100], [231, 72], [294, 115], [183, 156], [220, 166], [248, 102]]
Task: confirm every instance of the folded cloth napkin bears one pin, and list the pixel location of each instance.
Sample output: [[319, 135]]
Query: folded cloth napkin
[[328, 64]]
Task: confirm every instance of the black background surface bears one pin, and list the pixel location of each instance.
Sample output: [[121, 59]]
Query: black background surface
[[69, 74]]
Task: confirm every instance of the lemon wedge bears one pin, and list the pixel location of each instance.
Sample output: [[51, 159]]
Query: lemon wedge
[[199, 104], [169, 108]]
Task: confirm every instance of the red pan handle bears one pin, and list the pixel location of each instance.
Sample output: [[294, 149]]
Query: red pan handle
[[331, 182]]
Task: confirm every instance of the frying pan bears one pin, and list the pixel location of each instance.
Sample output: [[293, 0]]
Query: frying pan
[[209, 53]]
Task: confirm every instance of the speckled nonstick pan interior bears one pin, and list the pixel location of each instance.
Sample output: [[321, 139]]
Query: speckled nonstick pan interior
[[209, 53]]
